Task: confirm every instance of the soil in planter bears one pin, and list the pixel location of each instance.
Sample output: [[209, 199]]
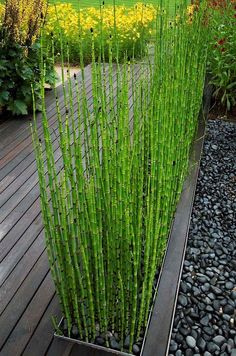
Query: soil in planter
[[218, 111], [205, 319]]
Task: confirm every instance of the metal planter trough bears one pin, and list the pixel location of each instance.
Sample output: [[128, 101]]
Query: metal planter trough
[[158, 332]]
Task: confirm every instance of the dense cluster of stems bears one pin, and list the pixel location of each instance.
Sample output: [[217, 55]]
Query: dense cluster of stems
[[124, 152]]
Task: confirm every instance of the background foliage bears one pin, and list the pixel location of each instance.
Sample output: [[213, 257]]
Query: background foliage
[[222, 51], [96, 3]]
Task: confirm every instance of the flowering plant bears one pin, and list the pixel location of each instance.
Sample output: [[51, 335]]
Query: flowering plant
[[20, 26], [133, 25], [222, 51]]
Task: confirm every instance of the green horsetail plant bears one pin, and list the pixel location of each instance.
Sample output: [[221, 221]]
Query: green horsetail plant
[[124, 132]]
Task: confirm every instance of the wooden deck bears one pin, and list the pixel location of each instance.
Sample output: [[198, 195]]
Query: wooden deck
[[27, 294]]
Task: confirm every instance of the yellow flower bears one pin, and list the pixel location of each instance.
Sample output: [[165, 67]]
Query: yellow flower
[[2, 10], [63, 17], [190, 12]]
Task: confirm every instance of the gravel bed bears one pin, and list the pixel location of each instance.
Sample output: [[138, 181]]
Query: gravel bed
[[205, 319]]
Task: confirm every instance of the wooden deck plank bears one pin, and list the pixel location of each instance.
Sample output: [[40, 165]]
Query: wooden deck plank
[[10, 127], [20, 272], [19, 249], [43, 335], [16, 172], [20, 215], [22, 187], [28, 322], [8, 198], [30, 223], [13, 255], [22, 297]]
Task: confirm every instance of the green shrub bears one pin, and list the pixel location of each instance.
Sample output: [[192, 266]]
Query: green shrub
[[18, 71]]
